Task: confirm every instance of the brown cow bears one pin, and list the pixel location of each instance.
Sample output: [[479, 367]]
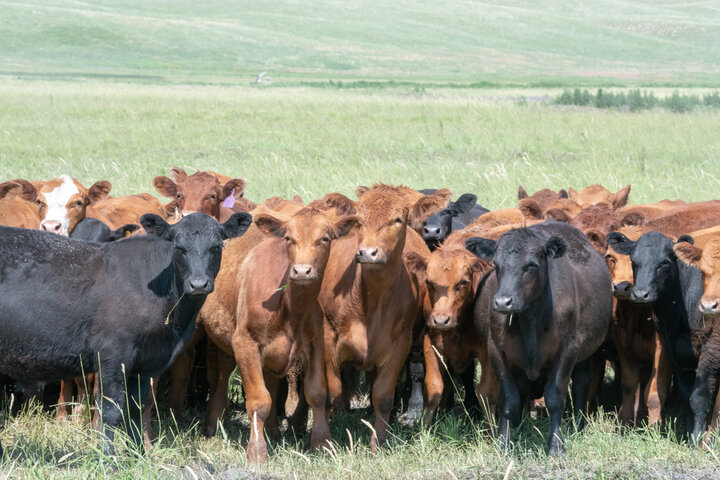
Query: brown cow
[[279, 319], [451, 342], [370, 299], [126, 209], [595, 194], [544, 198], [20, 204], [605, 219], [645, 371], [67, 202], [686, 218], [201, 192]]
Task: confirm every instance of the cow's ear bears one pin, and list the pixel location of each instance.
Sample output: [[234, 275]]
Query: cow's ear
[[165, 186], [465, 203], [361, 190], [156, 226], [557, 215], [237, 184], [99, 191], [10, 189], [686, 238], [620, 199], [346, 225], [572, 193], [269, 225], [555, 247], [427, 205], [28, 191], [415, 263], [483, 248], [633, 218], [236, 225], [563, 193], [124, 231], [597, 240], [338, 201], [178, 174], [530, 209], [298, 199], [688, 253], [620, 243], [522, 193]]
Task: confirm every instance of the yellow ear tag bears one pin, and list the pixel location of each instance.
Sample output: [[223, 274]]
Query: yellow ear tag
[[127, 233]]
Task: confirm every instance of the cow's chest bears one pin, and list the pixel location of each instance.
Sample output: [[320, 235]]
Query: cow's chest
[[279, 354], [531, 351]]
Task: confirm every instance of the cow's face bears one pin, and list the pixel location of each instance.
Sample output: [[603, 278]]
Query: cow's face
[[436, 228], [451, 275], [200, 192], [307, 235], [198, 241], [67, 201], [386, 212], [707, 260], [619, 265], [597, 194], [521, 263], [653, 263]]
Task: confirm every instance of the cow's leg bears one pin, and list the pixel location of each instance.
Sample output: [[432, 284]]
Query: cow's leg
[[657, 388], [272, 426], [470, 402], [218, 403], [181, 372], [703, 392], [297, 421], [137, 389], [258, 400], [65, 399], [582, 377], [315, 387], [629, 381], [555, 394], [434, 383], [81, 407], [111, 399], [383, 391], [150, 405], [487, 392], [511, 406], [416, 374]]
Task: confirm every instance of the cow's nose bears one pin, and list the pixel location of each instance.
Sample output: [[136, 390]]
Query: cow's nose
[[709, 307], [302, 272], [502, 302], [640, 295], [622, 288], [199, 285], [435, 231], [52, 226], [441, 320]]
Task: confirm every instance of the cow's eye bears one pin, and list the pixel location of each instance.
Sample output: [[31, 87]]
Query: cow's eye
[[398, 220], [179, 196], [530, 267], [212, 197], [79, 203], [462, 283], [181, 250], [326, 239]]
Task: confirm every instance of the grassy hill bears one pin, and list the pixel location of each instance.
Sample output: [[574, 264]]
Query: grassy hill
[[565, 42]]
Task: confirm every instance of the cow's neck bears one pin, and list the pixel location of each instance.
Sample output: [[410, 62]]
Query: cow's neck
[[301, 301], [377, 284], [530, 325]]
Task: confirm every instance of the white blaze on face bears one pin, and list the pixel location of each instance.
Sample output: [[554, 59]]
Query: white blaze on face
[[57, 200]]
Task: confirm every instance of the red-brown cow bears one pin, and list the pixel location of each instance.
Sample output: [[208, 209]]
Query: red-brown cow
[[20, 204], [202, 192], [370, 299], [645, 371], [451, 341], [595, 194], [279, 319]]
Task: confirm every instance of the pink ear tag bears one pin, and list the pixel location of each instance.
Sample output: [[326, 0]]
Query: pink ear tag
[[229, 202]]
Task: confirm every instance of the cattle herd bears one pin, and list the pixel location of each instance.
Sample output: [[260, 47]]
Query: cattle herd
[[104, 294]]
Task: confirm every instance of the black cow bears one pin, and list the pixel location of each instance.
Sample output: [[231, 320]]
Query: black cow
[[674, 290], [93, 230], [546, 309], [456, 216], [122, 309]]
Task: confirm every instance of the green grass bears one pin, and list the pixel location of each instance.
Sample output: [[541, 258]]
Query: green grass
[[310, 141], [618, 42]]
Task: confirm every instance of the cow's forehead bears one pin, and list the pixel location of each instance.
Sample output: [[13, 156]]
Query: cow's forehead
[[60, 188]]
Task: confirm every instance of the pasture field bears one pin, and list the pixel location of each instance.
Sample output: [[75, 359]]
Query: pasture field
[[311, 141]]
